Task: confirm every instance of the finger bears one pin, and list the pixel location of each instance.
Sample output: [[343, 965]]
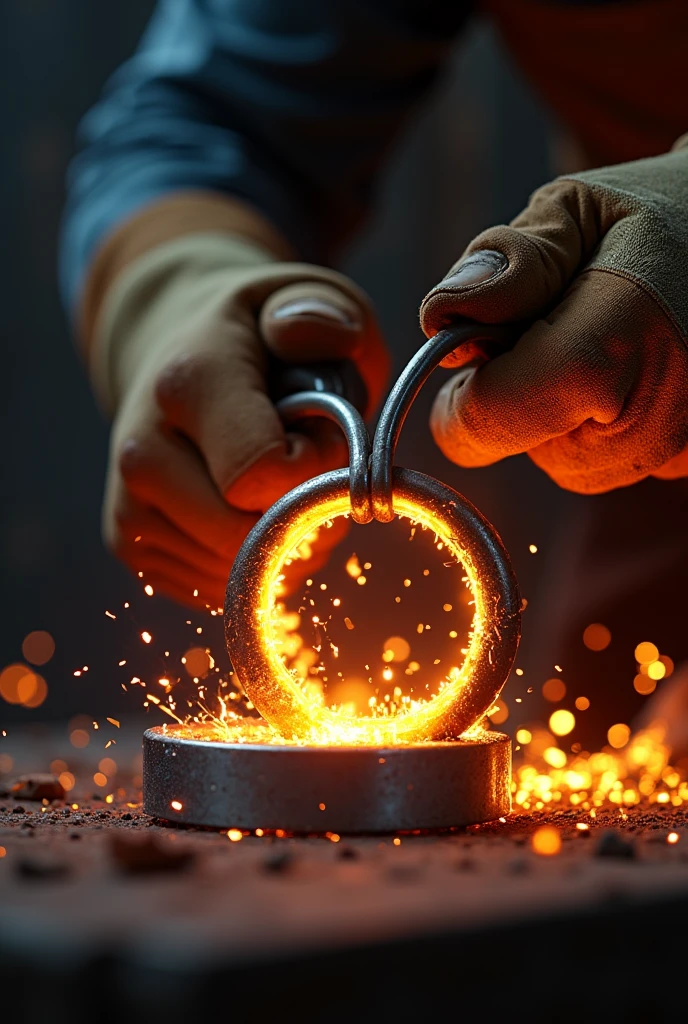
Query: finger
[[311, 321], [513, 273], [132, 526], [562, 372], [177, 589], [675, 468], [160, 567], [318, 448], [164, 471], [216, 397]]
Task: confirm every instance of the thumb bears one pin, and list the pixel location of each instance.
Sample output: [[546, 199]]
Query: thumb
[[310, 321], [517, 272]]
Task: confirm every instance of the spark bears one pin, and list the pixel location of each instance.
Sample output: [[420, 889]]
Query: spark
[[353, 567]]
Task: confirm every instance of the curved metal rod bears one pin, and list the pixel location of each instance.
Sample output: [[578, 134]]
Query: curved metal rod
[[343, 413], [405, 391]]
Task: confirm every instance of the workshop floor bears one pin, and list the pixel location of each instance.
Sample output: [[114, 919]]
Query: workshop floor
[[119, 913]]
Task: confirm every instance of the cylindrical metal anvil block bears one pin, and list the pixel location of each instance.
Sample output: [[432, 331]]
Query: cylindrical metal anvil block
[[253, 785]]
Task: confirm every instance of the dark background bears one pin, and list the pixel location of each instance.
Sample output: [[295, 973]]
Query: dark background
[[479, 148]]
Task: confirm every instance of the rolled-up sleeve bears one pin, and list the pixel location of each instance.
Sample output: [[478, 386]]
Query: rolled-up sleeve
[[291, 107]]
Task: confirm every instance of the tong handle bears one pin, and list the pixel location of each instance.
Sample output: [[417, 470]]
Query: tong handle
[[338, 377]]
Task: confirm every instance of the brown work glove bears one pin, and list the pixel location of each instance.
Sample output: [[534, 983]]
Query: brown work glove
[[596, 389], [198, 450]]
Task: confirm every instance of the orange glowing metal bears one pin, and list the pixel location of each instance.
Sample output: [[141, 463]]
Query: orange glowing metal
[[373, 488], [255, 632]]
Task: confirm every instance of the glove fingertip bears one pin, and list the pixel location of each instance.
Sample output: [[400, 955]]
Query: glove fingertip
[[312, 321], [448, 428]]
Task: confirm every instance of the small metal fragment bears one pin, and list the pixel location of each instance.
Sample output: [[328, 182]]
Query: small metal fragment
[[38, 786]]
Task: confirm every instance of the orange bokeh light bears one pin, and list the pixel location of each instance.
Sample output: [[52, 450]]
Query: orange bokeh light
[[198, 662], [79, 738], [546, 841], [618, 735], [38, 647], [20, 685], [597, 637], [554, 690]]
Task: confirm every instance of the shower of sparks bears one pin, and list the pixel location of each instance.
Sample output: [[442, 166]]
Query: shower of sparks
[[549, 771]]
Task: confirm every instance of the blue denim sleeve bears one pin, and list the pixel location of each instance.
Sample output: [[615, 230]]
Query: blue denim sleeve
[[292, 106]]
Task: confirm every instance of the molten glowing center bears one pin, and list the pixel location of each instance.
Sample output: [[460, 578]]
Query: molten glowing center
[[329, 725]]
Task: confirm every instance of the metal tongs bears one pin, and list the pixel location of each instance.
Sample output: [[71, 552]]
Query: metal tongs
[[335, 391], [373, 484]]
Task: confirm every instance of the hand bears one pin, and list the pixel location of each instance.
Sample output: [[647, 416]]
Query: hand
[[198, 451], [596, 389]]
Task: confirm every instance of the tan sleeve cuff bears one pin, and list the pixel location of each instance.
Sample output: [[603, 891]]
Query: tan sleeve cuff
[[167, 287], [681, 143], [185, 213]]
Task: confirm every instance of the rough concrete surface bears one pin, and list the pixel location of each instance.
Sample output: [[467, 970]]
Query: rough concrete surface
[[105, 912]]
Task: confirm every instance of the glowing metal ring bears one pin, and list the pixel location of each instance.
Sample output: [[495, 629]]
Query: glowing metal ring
[[465, 341], [250, 601]]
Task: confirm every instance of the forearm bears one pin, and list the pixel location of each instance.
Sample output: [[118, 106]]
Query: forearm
[[244, 103], [144, 275]]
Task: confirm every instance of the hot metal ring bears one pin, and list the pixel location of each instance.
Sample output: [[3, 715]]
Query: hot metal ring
[[468, 692], [473, 339]]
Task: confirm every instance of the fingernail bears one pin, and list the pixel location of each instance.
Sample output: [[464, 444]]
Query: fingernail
[[316, 308], [476, 269]]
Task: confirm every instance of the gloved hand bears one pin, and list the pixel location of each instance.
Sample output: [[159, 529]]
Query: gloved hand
[[198, 450], [596, 389]]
